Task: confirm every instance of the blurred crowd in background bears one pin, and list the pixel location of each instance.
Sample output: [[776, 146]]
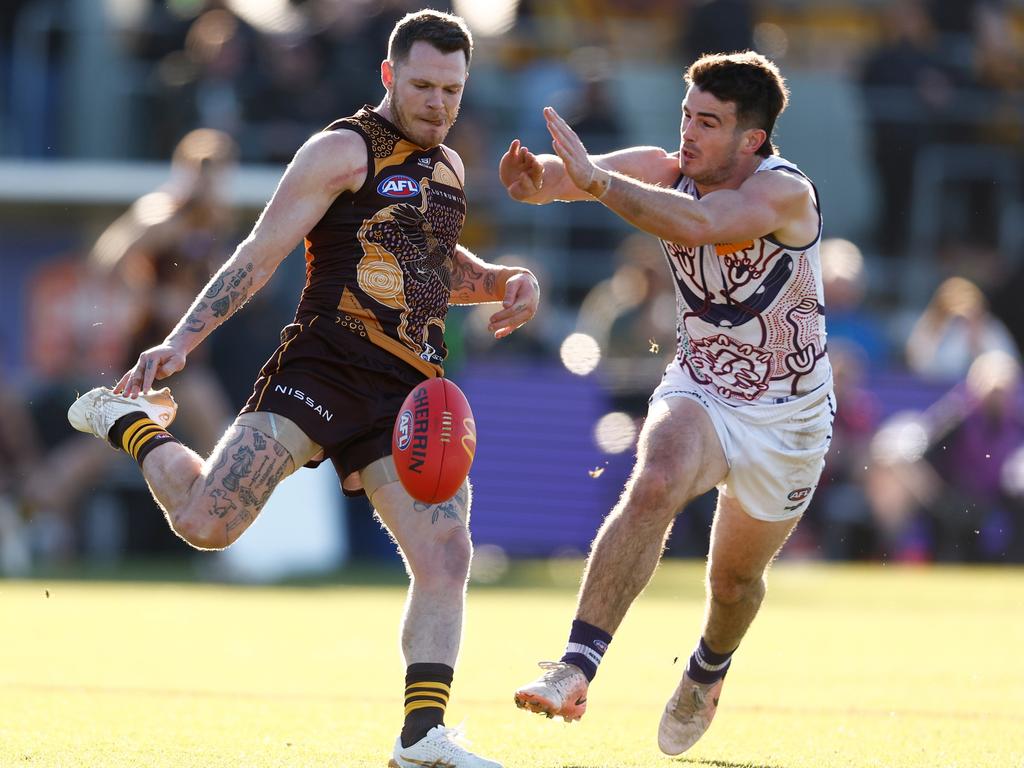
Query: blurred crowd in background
[[909, 116]]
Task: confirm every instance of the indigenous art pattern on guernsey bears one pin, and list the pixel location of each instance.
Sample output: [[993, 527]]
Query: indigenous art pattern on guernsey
[[749, 316], [406, 263]]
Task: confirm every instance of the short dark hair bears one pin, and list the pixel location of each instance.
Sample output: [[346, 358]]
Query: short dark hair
[[750, 81], [444, 31]]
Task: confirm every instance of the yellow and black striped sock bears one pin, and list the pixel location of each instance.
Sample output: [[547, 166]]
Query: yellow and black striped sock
[[427, 687], [137, 434]]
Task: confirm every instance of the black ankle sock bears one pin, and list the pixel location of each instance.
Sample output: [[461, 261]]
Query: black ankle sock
[[136, 434], [586, 647], [705, 666], [427, 687]]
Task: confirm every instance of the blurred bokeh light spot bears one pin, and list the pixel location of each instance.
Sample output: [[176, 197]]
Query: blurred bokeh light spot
[[615, 432], [904, 438], [1012, 475], [490, 564], [487, 17], [273, 17], [771, 40], [580, 353]]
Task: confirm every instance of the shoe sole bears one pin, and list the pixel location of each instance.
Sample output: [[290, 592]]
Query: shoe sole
[[541, 706]]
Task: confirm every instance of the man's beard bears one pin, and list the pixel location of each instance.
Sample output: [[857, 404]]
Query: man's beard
[[719, 173], [405, 127]]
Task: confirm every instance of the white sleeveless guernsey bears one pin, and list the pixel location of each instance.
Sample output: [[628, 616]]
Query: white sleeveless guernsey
[[750, 325]]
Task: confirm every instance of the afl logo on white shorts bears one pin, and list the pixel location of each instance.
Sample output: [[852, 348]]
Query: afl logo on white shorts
[[404, 430], [799, 494], [398, 186]]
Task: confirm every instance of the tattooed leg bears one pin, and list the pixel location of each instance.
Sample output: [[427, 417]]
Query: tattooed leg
[[434, 541], [210, 503]]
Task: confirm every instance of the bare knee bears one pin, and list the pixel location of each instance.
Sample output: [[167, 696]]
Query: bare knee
[[199, 533], [729, 587], [212, 523], [655, 494], [446, 562]]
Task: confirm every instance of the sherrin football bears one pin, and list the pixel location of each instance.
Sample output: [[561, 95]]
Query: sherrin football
[[434, 441]]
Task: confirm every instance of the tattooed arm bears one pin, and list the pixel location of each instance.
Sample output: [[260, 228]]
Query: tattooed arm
[[477, 282], [324, 167]]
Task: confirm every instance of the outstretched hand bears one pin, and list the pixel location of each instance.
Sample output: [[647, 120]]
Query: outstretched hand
[[521, 172], [155, 363], [522, 297], [567, 145]]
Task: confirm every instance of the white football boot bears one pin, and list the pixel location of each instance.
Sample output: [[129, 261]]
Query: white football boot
[[688, 715], [440, 748], [96, 411], [561, 691]]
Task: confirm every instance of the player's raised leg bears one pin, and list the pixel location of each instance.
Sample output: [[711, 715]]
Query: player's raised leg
[[208, 503], [434, 542], [741, 549], [679, 457]]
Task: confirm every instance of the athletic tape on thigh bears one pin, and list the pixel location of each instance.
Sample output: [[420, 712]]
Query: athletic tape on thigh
[[285, 431], [377, 474]]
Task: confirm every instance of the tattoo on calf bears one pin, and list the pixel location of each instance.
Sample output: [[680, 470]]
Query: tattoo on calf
[[241, 469], [254, 467], [222, 504], [242, 518]]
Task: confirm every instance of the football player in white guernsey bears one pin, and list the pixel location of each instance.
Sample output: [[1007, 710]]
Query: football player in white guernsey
[[746, 406]]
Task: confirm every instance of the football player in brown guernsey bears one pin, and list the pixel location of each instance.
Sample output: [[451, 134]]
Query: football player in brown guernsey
[[379, 200]]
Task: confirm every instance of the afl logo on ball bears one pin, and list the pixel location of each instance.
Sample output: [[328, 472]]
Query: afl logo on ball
[[398, 186], [404, 430]]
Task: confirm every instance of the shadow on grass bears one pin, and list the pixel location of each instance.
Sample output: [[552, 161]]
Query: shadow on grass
[[699, 762], [722, 763]]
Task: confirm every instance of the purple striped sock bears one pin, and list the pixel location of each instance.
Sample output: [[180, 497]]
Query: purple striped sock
[[705, 666], [586, 646]]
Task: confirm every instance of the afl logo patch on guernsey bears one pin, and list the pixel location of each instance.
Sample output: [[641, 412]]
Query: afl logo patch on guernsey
[[404, 430], [398, 186]]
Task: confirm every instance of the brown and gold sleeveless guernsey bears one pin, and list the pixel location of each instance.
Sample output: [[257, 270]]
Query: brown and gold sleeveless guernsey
[[370, 322], [378, 263]]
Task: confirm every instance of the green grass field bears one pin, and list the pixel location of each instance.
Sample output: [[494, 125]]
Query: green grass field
[[846, 666]]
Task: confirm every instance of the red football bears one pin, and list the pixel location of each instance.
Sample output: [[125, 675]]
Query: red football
[[434, 441]]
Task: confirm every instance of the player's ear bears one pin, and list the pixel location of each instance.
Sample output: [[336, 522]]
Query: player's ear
[[754, 139], [387, 74]]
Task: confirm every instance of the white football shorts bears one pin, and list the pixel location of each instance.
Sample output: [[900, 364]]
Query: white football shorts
[[776, 451]]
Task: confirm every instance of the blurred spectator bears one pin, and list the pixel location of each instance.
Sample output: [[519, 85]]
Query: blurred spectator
[[954, 329], [906, 86], [592, 112], [948, 484], [980, 517], [162, 251], [844, 279], [19, 451], [291, 101], [901, 488], [840, 514], [1006, 297], [467, 336], [142, 274], [353, 34], [718, 26], [206, 84], [631, 315]]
